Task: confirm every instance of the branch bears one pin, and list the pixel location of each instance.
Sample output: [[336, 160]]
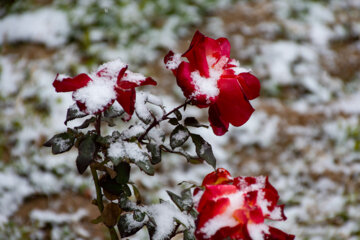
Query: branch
[[164, 117]]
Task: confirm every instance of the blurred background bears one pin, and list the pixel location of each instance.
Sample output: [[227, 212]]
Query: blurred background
[[304, 134]]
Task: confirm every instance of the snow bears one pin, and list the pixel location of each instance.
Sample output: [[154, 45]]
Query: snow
[[140, 107], [257, 231], [226, 218], [96, 95], [136, 78], [100, 92], [237, 69], [127, 150], [48, 26], [47, 216], [173, 62], [208, 85], [164, 215], [180, 135]]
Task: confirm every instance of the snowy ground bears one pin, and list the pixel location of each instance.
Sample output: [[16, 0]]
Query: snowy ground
[[304, 134]]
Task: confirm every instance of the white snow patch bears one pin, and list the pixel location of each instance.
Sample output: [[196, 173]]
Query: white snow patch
[[48, 216], [164, 215], [208, 85], [173, 62], [48, 26], [256, 231], [225, 219], [131, 150]]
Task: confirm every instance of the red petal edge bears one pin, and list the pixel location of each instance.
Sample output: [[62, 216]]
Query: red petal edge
[[71, 84]]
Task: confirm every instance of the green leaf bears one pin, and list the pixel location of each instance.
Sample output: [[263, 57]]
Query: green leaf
[[74, 112], [125, 226], [86, 154], [193, 122], [86, 123], [104, 141], [123, 172], [155, 153], [178, 115], [138, 216], [204, 150], [195, 160], [146, 166], [173, 121], [179, 136], [187, 197], [189, 235], [61, 142], [177, 200], [113, 187], [112, 112]]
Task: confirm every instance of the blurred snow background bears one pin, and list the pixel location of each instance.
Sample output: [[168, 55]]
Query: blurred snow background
[[304, 134]]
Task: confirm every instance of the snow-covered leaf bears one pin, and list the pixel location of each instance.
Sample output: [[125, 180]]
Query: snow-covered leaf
[[189, 235], [178, 136], [74, 112], [155, 153], [128, 226], [61, 142], [113, 112], [146, 167], [86, 123]]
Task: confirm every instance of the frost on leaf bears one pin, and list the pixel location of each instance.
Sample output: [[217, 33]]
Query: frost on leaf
[[166, 217], [141, 109], [131, 151], [60, 143], [179, 136], [74, 112]]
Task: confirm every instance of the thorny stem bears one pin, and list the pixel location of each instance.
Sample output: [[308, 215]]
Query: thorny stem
[[164, 117], [99, 199]]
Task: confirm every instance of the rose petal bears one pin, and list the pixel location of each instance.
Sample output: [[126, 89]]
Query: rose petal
[[126, 100], [184, 80], [71, 84], [233, 106], [121, 74], [276, 234], [220, 176], [250, 85], [211, 209], [213, 192], [238, 232], [218, 125], [225, 46]]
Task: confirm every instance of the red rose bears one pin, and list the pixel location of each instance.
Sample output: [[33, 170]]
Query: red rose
[[236, 209], [95, 92], [212, 79]]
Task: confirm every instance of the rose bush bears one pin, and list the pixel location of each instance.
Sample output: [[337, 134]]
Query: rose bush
[[237, 208], [222, 207], [212, 79], [95, 92]]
